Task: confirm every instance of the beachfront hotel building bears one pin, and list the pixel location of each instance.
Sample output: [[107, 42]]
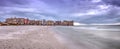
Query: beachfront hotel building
[[67, 23], [50, 23], [23, 21], [58, 23], [15, 21], [0, 23]]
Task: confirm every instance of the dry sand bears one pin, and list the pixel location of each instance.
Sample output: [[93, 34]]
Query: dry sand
[[29, 37]]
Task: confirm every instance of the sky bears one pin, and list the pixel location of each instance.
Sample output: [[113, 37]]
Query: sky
[[83, 11]]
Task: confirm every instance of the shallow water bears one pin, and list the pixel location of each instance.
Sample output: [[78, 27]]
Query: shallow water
[[90, 37]]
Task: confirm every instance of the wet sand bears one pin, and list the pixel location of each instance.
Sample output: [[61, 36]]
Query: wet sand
[[28, 37], [80, 38]]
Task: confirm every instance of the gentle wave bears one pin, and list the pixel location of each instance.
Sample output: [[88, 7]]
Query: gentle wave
[[96, 28]]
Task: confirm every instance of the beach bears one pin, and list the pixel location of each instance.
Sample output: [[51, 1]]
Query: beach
[[90, 37], [60, 37], [28, 37]]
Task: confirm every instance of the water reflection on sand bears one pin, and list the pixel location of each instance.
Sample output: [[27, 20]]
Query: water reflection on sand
[[82, 37]]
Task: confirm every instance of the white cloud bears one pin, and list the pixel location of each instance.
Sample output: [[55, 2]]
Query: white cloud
[[103, 7], [96, 1], [25, 9], [90, 12]]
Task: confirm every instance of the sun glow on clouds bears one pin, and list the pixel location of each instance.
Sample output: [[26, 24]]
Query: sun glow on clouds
[[77, 23]]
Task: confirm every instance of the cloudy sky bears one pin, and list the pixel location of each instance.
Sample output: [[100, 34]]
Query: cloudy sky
[[83, 11]]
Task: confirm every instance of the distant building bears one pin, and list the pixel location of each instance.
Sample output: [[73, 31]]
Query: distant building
[[23, 21], [26, 21], [37, 22], [43, 22], [0, 23], [40, 22], [50, 23], [3, 23], [20, 21], [15, 21], [31, 22], [58, 23], [70, 23], [67, 23]]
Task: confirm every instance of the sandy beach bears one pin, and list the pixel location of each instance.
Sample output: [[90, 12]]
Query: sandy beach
[[90, 37], [29, 37], [59, 37]]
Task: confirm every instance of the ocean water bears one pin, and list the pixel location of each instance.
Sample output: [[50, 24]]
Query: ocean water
[[90, 36]]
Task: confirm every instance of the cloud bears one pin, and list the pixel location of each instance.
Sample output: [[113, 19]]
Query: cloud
[[13, 2], [96, 11], [96, 1], [112, 2], [93, 12], [104, 7], [23, 2], [31, 13]]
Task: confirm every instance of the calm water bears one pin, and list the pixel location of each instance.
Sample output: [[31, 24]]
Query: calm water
[[90, 37]]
